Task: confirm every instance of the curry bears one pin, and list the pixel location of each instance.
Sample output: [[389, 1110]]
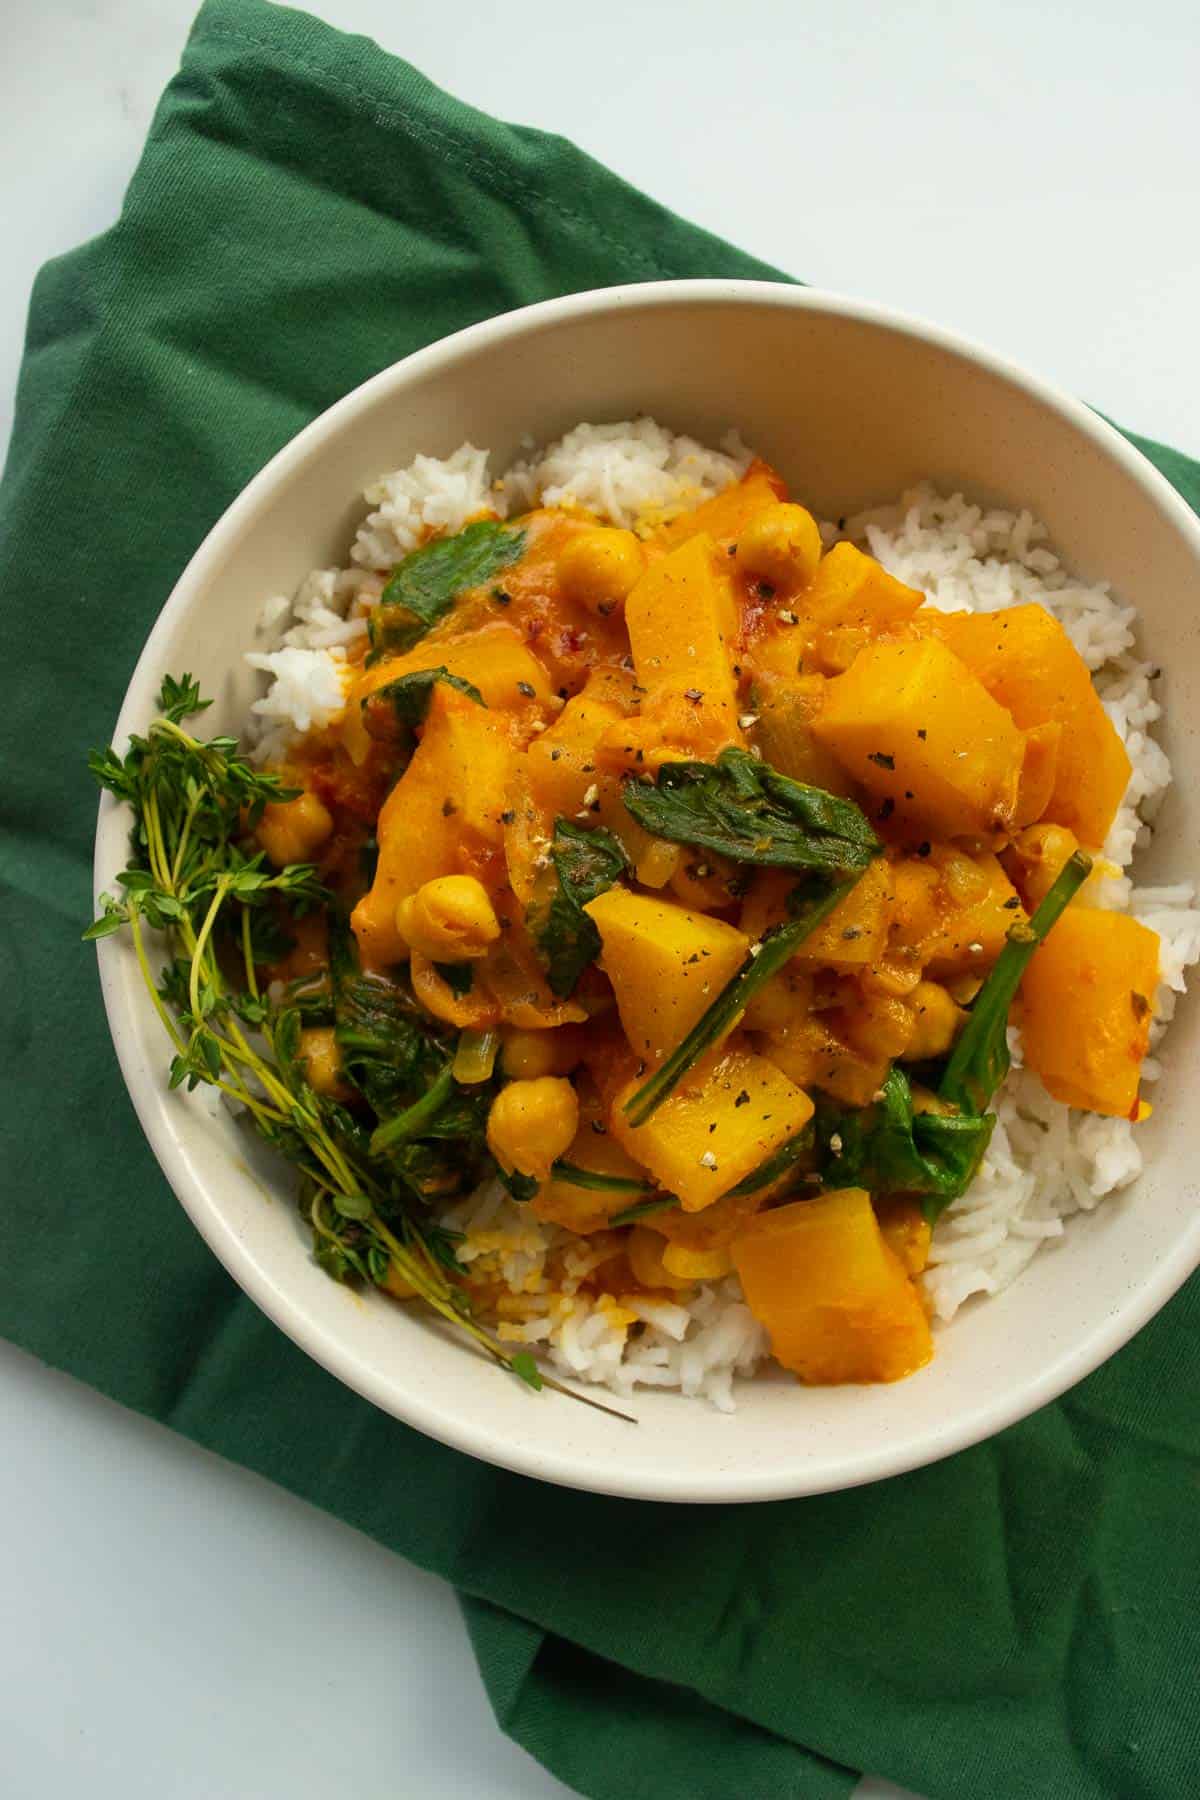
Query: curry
[[711, 859]]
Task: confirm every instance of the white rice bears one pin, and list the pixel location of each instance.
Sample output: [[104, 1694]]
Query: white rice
[[628, 472], [305, 640], [1045, 1162], [426, 496]]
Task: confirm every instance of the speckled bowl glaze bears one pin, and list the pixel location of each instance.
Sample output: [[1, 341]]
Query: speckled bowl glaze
[[852, 403]]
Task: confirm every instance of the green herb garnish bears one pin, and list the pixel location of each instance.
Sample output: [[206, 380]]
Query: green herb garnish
[[414, 1120], [195, 876], [742, 808], [523, 1365], [583, 865], [426, 584], [398, 1057]]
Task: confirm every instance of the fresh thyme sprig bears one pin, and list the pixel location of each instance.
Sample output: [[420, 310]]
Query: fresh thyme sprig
[[195, 877]]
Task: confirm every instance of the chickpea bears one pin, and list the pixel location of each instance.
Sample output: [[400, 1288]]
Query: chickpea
[[895, 975], [527, 1055], [878, 1025], [1043, 852], [291, 830], [531, 1123], [781, 545], [449, 919], [936, 1022], [599, 567], [323, 1059]]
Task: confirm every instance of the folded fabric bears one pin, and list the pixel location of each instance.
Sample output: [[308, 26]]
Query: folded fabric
[[1018, 1620]]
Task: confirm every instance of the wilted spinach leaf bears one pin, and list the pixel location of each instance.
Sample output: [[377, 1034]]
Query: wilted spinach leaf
[[890, 1149], [742, 808], [584, 864], [427, 583], [391, 1050]]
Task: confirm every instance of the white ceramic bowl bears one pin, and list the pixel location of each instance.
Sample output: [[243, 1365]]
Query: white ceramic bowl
[[851, 403]]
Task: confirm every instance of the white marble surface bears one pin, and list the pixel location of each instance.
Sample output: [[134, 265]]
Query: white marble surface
[[1025, 173]]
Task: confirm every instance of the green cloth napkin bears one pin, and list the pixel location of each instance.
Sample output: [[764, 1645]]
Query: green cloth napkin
[[1020, 1620]]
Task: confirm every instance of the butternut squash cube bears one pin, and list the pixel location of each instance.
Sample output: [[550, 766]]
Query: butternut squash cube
[[682, 621], [681, 618], [911, 723], [1027, 662], [561, 762], [446, 806], [851, 589], [785, 706], [711, 1133], [834, 1298], [1087, 997], [666, 963], [856, 931]]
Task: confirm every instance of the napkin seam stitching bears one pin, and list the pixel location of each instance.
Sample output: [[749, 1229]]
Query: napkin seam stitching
[[503, 182]]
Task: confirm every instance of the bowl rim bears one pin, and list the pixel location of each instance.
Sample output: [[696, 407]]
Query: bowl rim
[[148, 1094]]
